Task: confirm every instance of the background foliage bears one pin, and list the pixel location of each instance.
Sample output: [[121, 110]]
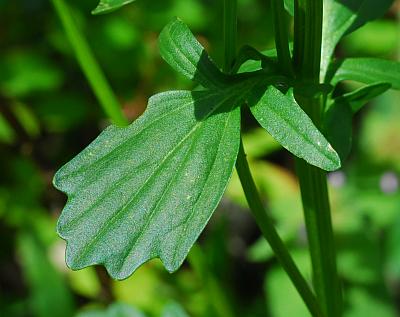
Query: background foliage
[[48, 114]]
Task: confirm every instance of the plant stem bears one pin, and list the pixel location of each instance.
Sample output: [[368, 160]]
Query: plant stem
[[89, 66], [313, 184], [271, 235], [282, 36], [264, 222], [230, 34]]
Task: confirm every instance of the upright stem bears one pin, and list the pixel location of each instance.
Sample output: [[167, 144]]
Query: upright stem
[[281, 36], [230, 33], [89, 66], [269, 232], [307, 57], [264, 222]]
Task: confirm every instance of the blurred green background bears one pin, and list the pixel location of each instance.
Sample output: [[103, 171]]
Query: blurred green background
[[48, 114]]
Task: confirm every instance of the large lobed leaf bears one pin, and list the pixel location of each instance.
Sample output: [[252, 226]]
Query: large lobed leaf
[[149, 189]]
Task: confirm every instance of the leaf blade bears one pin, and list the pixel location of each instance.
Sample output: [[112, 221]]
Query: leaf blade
[[106, 6], [283, 118], [368, 71], [122, 230], [339, 128], [360, 97], [343, 17], [180, 49]]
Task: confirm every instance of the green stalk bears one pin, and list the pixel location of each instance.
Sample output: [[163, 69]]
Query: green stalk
[[89, 66], [269, 232], [281, 36], [264, 222], [230, 34], [313, 184]]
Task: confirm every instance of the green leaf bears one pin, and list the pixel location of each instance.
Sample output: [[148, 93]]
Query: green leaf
[[360, 97], [283, 118], [184, 53], [338, 118], [289, 6], [106, 6], [148, 190], [173, 310], [367, 70], [114, 310], [48, 290], [248, 53], [343, 17], [338, 127]]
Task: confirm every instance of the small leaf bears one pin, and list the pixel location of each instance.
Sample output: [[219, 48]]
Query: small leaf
[[367, 71], [283, 118], [114, 310], [338, 118], [184, 53], [148, 190], [248, 53], [343, 17], [360, 97], [173, 310], [289, 6], [338, 127], [106, 6]]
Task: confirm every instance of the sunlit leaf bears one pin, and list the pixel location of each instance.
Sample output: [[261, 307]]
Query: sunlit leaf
[[173, 310], [289, 6], [114, 310], [184, 53], [368, 71], [360, 97], [345, 16], [283, 118], [106, 6], [149, 189]]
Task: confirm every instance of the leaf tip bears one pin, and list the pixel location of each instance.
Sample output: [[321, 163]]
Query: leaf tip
[[335, 161], [105, 7]]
